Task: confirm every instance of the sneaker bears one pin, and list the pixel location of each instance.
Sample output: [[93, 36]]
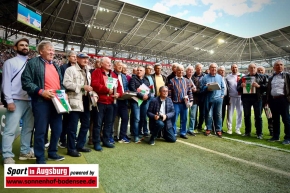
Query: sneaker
[[62, 145], [190, 133], [46, 145], [124, 140], [195, 131], [230, 132], [55, 157], [9, 160], [246, 135], [207, 133], [116, 138], [259, 136], [146, 135], [286, 142], [111, 140], [238, 132], [30, 155], [152, 142], [219, 134], [108, 145], [98, 147], [129, 138], [137, 140], [273, 140]]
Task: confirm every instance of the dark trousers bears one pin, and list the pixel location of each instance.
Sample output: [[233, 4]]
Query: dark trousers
[[280, 107], [74, 117], [201, 115], [121, 110], [168, 134], [103, 118], [65, 122], [224, 107], [45, 114], [257, 105]]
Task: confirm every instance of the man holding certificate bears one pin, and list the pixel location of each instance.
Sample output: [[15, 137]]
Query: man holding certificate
[[252, 86], [104, 82], [213, 87]]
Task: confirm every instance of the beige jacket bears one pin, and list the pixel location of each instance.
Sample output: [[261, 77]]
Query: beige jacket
[[74, 81]]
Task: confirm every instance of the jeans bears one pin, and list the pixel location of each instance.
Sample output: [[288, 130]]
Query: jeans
[[23, 111], [180, 108], [213, 115], [45, 114], [74, 117], [65, 122], [139, 118], [192, 114], [280, 107], [122, 112], [257, 105], [168, 134], [201, 116], [103, 119]]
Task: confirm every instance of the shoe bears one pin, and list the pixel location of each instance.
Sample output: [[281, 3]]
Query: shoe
[[195, 131], [108, 145], [30, 155], [146, 135], [137, 140], [207, 133], [40, 162], [84, 149], [286, 142], [219, 134], [62, 145], [151, 142], [9, 160], [111, 140], [98, 147], [190, 133], [124, 140], [56, 157], [238, 132], [273, 140], [116, 138], [246, 135], [259, 136], [230, 132], [74, 153], [46, 145], [129, 138], [183, 136]]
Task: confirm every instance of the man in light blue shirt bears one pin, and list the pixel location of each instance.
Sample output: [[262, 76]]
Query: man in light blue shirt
[[213, 100]]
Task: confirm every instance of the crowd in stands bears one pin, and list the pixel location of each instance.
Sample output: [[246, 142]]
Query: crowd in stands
[[105, 96]]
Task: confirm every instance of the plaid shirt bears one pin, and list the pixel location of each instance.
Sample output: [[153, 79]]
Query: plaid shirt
[[178, 88]]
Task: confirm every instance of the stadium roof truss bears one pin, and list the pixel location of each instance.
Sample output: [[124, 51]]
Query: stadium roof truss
[[122, 27]]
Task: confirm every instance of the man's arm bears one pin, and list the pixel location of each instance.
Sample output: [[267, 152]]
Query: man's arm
[[6, 81], [27, 80], [170, 108]]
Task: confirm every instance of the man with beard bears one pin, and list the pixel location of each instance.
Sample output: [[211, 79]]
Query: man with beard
[[18, 104]]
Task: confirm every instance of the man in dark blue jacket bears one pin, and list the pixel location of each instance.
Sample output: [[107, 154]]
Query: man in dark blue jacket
[[160, 113]]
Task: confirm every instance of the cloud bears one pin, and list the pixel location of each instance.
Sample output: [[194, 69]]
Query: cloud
[[165, 5], [208, 16], [160, 8], [181, 14]]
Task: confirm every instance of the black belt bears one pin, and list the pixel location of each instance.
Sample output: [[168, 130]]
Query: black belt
[[277, 97]]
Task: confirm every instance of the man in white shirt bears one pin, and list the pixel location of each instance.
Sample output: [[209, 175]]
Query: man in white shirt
[[234, 100]]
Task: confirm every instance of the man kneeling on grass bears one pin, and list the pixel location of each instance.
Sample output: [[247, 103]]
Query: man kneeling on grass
[[160, 113]]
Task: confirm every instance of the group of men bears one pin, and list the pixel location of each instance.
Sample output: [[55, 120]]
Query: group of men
[[29, 85]]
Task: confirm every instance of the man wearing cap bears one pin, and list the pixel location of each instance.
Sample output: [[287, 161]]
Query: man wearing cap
[[18, 104], [41, 78], [77, 80]]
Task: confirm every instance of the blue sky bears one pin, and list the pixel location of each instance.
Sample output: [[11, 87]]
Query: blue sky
[[244, 18]]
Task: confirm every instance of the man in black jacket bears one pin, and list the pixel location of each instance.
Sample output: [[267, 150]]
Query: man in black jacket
[[278, 95], [138, 111], [252, 96], [160, 113]]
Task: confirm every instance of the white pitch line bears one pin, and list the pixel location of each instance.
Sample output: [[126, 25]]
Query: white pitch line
[[237, 159]]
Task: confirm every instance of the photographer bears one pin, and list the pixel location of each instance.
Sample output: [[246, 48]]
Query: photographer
[[160, 113]]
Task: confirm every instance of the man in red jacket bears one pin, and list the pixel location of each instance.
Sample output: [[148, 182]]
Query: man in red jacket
[[103, 84]]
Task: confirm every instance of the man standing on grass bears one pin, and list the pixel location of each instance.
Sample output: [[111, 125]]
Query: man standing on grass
[[160, 113], [213, 100], [278, 95], [254, 99], [235, 100]]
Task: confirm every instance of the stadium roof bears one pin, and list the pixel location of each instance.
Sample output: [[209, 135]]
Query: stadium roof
[[140, 32]]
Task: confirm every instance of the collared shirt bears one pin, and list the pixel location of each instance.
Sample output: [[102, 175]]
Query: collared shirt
[[277, 85], [162, 107], [178, 88], [232, 80]]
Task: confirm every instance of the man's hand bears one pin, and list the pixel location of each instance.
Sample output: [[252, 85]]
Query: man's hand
[[194, 89], [111, 91], [11, 107], [243, 85], [116, 95], [88, 88], [164, 117], [145, 97], [156, 117], [47, 94], [256, 85]]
